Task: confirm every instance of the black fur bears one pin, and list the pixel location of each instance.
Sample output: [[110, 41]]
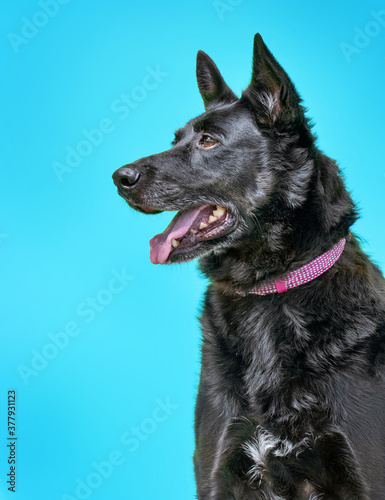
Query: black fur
[[291, 401]]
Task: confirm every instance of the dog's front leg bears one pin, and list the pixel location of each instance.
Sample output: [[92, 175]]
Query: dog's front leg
[[211, 443], [221, 465], [221, 471], [338, 474]]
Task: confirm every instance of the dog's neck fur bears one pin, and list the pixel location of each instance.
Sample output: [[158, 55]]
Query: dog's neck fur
[[287, 238]]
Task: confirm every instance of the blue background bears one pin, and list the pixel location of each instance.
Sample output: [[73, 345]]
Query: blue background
[[62, 241]]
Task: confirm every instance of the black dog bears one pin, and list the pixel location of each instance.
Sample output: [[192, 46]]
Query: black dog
[[291, 401]]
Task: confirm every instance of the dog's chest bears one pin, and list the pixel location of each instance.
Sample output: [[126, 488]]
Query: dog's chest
[[260, 355]]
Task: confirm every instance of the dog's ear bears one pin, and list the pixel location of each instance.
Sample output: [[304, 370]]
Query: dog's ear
[[212, 86], [271, 92]]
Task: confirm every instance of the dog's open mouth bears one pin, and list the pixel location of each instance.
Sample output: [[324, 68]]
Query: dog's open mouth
[[188, 229]]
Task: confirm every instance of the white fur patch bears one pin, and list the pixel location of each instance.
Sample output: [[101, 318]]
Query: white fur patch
[[257, 449], [270, 102], [264, 443]]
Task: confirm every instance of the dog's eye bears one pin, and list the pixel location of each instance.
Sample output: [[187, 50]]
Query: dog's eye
[[207, 142]]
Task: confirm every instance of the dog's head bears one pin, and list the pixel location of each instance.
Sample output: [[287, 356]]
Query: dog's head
[[236, 174]]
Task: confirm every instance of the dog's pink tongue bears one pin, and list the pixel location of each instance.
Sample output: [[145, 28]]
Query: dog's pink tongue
[[160, 245]]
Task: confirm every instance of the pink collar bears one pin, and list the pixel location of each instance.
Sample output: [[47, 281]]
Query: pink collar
[[304, 274]]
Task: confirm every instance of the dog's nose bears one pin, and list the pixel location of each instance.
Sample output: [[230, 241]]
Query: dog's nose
[[126, 177]]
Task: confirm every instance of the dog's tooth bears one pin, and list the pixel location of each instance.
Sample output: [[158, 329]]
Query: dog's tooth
[[219, 211], [175, 243], [192, 231], [202, 225], [212, 219]]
